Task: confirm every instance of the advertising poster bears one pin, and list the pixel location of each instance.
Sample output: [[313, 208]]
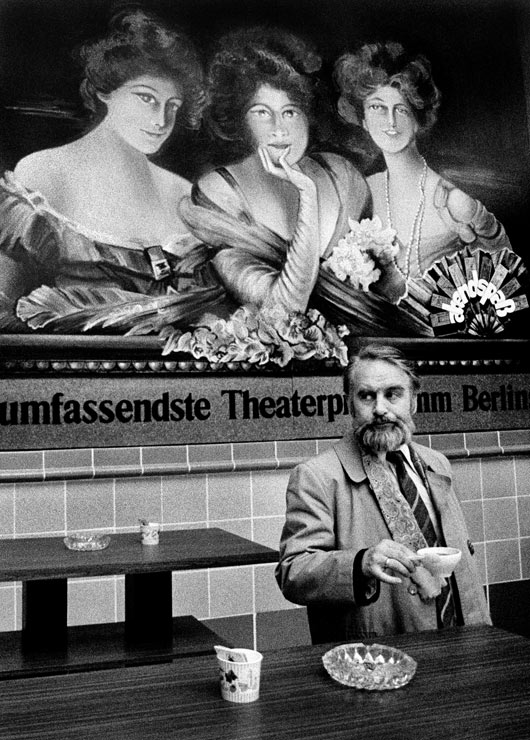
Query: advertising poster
[[195, 189]]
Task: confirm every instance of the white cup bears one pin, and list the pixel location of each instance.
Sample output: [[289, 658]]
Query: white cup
[[239, 679], [150, 532], [440, 561]]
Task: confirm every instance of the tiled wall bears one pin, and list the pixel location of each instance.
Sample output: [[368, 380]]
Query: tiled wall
[[241, 487]]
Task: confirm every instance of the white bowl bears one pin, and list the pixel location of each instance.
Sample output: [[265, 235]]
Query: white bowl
[[440, 561]]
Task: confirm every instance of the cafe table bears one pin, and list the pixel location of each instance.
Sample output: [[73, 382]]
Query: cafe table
[[149, 633], [471, 683]]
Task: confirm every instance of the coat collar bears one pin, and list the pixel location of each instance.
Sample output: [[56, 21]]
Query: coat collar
[[349, 455]]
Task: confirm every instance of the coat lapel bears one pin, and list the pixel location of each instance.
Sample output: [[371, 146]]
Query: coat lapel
[[350, 457]]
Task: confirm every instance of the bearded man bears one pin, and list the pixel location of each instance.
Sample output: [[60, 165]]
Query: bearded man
[[357, 514]]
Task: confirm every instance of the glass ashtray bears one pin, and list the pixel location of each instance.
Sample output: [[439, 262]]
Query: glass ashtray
[[87, 542], [372, 667]]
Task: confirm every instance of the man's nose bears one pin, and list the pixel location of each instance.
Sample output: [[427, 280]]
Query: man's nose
[[380, 405]]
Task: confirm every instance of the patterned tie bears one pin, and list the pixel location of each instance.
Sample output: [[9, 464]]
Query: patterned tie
[[445, 605]]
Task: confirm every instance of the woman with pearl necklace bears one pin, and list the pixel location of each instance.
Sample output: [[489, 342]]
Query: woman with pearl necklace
[[392, 94]]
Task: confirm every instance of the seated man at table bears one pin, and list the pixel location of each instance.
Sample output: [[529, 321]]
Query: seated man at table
[[358, 512]]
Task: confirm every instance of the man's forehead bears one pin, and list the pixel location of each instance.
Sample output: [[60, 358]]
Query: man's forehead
[[378, 375]]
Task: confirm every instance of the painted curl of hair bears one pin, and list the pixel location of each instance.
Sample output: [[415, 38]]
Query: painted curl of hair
[[358, 75], [139, 43], [244, 60]]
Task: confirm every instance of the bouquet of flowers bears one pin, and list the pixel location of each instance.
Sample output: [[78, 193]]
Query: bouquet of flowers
[[360, 285], [259, 337], [357, 255]]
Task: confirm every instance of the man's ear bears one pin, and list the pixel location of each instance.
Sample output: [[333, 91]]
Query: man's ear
[[414, 404]]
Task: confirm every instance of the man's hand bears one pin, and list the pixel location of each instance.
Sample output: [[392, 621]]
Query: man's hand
[[389, 557]]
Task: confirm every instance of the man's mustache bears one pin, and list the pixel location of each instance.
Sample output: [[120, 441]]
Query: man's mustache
[[384, 435]]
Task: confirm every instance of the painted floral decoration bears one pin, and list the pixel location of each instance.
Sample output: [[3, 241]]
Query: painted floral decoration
[[356, 255], [260, 337]]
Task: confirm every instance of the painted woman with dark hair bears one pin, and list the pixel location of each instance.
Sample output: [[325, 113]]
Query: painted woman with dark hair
[[391, 93], [89, 223], [277, 208]]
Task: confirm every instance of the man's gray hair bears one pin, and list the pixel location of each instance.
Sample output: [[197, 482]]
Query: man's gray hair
[[385, 353]]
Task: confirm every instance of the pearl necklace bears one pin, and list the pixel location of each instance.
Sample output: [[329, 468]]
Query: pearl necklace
[[415, 231]]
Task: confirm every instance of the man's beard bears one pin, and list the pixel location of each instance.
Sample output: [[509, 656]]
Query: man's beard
[[384, 437]]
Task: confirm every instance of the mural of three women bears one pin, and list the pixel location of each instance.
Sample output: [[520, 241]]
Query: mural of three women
[[285, 242]]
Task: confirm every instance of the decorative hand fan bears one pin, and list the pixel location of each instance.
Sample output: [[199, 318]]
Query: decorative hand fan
[[472, 292]]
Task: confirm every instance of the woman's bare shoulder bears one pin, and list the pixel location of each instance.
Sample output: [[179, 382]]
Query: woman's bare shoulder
[[340, 163], [170, 182], [345, 172], [377, 184], [216, 187], [34, 168], [43, 169], [376, 179]]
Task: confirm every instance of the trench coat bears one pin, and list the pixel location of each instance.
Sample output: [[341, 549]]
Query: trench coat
[[332, 513]]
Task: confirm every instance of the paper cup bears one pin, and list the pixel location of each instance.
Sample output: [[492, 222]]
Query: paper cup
[[150, 532], [239, 680]]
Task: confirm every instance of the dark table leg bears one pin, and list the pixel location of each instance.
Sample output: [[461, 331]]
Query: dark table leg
[[44, 613], [148, 608]]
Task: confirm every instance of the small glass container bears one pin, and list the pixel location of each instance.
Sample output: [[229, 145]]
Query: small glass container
[[87, 542], [372, 667]]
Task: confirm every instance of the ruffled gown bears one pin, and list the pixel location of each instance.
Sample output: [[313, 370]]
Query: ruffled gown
[[252, 260], [59, 277]]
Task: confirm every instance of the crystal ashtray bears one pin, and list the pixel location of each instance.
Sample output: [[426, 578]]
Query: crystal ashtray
[[87, 542], [372, 667]]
